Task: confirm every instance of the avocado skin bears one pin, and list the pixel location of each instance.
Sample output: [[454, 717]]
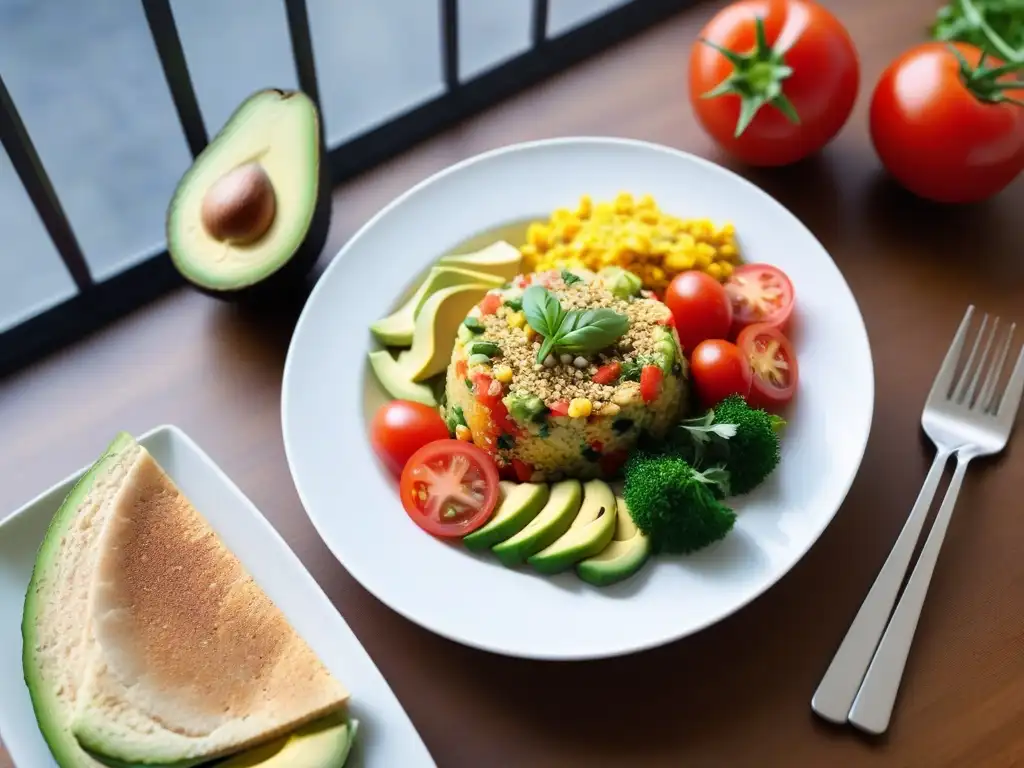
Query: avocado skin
[[291, 278]]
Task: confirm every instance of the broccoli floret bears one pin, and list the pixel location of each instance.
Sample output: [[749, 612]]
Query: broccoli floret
[[674, 504], [749, 451]]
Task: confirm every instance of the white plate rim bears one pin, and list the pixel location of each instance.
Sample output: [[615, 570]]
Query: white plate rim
[[653, 642]]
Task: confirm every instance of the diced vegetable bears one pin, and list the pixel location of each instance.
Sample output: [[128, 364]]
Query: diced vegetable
[[473, 324], [650, 383], [607, 374]]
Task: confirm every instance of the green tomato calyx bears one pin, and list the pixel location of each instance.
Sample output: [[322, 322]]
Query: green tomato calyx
[[756, 78]]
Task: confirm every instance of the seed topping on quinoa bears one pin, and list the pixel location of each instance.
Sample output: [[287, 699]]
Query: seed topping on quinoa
[[568, 377]]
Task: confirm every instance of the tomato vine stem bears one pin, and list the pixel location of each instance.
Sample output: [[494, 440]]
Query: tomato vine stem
[[984, 83]]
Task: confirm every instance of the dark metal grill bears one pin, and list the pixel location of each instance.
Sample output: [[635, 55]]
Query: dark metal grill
[[99, 303]]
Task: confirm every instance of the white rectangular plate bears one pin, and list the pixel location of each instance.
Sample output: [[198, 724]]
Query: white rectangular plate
[[386, 736]]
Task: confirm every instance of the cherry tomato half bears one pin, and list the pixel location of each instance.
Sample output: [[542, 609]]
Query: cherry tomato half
[[773, 364], [760, 293], [719, 369], [400, 428], [449, 488], [773, 81], [947, 129], [700, 308]]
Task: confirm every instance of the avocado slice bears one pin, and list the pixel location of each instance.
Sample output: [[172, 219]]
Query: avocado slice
[[396, 330], [392, 377], [623, 557], [324, 743], [520, 503], [546, 527], [256, 202], [588, 535], [500, 258], [436, 326]]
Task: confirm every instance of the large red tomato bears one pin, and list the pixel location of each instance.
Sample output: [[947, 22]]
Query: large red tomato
[[946, 128], [773, 81]]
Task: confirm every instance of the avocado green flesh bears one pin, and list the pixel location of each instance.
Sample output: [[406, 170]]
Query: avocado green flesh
[[554, 520], [324, 743], [54, 722], [618, 561], [589, 534], [623, 557], [521, 503], [500, 259], [436, 327], [281, 132], [396, 330], [392, 377]]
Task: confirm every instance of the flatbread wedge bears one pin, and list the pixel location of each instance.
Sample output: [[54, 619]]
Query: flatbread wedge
[[151, 643]]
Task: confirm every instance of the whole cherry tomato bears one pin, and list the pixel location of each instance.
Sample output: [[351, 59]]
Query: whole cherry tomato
[[947, 124], [700, 307], [773, 81], [400, 428], [719, 369]]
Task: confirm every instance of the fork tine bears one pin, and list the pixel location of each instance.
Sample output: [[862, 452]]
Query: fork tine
[[987, 398], [1011, 397], [982, 362], [944, 381], [961, 387]]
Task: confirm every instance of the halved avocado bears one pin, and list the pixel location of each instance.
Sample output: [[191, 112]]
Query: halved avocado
[[251, 214]]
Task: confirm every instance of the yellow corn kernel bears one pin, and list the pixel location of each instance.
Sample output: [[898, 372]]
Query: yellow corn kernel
[[539, 236], [503, 374], [715, 270], [728, 251], [530, 333], [646, 202], [568, 229], [579, 408], [725, 267], [462, 433], [585, 207], [624, 203], [516, 319], [680, 261], [657, 274]]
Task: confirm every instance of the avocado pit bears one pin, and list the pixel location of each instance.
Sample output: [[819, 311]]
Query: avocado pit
[[240, 206]]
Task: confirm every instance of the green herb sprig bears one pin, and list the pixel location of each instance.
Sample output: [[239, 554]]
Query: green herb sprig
[[575, 331], [994, 26]]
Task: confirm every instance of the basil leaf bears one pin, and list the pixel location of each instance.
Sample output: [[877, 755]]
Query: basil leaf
[[545, 348], [542, 310], [592, 330]]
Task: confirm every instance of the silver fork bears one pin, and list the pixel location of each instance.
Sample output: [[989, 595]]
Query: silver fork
[[958, 419]]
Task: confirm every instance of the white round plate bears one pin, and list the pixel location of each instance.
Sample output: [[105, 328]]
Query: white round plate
[[329, 393]]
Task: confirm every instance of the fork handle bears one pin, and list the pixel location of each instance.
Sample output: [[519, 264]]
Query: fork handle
[[872, 709], [838, 688]]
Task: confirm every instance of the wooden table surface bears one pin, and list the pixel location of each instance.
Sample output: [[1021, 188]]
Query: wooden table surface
[[738, 693]]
